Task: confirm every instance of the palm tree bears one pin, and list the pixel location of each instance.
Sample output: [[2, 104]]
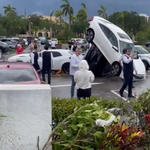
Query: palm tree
[[9, 10], [67, 11], [102, 12], [83, 5], [59, 15]]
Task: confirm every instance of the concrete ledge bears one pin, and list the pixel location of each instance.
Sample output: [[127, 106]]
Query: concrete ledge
[[27, 124]]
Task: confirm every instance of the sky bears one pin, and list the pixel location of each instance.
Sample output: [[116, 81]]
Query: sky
[[44, 7]]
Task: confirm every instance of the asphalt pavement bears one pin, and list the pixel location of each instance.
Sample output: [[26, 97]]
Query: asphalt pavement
[[104, 87]]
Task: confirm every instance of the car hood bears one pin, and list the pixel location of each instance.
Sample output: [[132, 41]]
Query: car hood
[[22, 55], [144, 55]]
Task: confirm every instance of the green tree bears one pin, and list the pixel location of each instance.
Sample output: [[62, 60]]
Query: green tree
[[82, 14], [59, 14], [67, 11], [9, 11], [102, 12]]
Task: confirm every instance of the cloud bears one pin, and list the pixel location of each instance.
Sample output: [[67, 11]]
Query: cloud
[[37, 13], [46, 6]]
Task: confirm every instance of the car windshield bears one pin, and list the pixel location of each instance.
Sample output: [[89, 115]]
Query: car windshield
[[141, 50], [16, 75], [124, 45]]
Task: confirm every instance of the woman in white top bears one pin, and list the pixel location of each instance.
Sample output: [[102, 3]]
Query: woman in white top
[[83, 79]]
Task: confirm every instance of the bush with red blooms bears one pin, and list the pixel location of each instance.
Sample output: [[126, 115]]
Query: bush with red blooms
[[147, 118], [122, 137]]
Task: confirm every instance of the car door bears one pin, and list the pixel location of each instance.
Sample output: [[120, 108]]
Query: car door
[[56, 60]]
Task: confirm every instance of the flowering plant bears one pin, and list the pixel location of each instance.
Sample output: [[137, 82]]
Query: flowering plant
[[122, 137]]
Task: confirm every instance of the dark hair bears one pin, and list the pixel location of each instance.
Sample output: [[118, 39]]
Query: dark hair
[[125, 51], [35, 47], [46, 47]]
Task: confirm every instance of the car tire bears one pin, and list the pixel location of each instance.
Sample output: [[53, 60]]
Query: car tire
[[146, 64], [65, 68], [90, 35], [116, 69]]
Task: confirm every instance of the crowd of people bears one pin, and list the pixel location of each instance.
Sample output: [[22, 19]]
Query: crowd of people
[[81, 77]]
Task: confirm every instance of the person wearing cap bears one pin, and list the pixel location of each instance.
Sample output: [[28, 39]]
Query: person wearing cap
[[128, 68]]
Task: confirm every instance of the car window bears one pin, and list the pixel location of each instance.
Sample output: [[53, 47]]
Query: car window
[[16, 75], [141, 50], [56, 54], [110, 35]]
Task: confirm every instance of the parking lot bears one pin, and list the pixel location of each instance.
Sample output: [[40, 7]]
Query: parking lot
[[105, 87]]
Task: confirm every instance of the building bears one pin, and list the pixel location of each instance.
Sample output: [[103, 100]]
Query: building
[[43, 33], [147, 18]]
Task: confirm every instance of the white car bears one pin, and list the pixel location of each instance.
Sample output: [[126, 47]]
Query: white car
[[54, 39], [144, 55], [110, 41], [61, 59]]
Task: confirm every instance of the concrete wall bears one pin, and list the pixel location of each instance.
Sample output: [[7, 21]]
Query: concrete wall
[[28, 116]]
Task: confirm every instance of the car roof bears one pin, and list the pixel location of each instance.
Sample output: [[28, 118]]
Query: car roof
[[15, 65]]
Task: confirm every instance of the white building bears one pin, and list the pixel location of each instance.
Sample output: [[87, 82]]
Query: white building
[[145, 16]]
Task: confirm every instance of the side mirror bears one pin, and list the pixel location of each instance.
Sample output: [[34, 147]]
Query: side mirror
[[115, 48]]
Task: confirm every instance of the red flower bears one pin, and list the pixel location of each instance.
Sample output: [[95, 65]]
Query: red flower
[[147, 117]]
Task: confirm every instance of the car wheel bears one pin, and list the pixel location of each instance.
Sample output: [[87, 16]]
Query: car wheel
[[90, 35], [19, 61], [146, 64], [65, 68], [116, 69]]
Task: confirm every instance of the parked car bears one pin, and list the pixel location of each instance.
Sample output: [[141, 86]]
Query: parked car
[[43, 40], [4, 48], [144, 55], [11, 45], [54, 39], [110, 41], [147, 44], [61, 59], [18, 73]]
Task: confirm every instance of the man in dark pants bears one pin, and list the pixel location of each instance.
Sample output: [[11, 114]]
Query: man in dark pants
[[128, 68], [46, 67]]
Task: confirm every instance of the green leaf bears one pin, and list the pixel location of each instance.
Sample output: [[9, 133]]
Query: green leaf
[[80, 125], [98, 134]]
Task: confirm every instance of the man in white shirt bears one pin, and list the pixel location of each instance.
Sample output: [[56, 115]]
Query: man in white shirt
[[53, 44], [128, 68], [74, 66]]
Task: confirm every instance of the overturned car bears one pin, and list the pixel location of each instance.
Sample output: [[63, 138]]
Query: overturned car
[[108, 43]]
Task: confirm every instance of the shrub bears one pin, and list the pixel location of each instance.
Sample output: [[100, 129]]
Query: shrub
[[63, 108], [76, 125]]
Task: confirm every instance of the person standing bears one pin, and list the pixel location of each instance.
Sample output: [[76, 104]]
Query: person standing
[[46, 64], [32, 46], [19, 49], [53, 44], [34, 59], [83, 79], [128, 68], [74, 66]]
